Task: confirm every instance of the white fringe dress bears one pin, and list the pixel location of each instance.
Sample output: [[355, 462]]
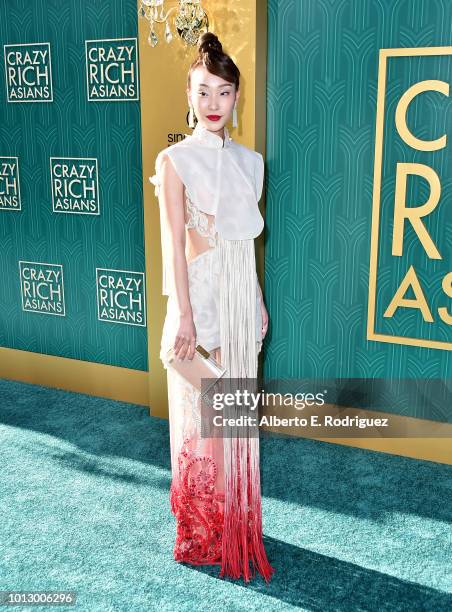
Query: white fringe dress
[[215, 489]]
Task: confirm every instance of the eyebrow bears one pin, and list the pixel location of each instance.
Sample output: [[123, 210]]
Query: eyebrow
[[225, 85]]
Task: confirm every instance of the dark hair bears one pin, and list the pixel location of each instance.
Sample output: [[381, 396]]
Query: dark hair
[[210, 55]]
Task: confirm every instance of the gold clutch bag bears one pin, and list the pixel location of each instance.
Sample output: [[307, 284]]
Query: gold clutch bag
[[203, 365]]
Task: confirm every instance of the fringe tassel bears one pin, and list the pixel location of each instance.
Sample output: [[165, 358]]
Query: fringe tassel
[[242, 531]]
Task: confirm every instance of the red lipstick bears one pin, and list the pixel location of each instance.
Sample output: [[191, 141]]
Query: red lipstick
[[213, 117]]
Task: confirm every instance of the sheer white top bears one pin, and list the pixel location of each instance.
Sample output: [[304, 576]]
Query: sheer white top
[[222, 179]]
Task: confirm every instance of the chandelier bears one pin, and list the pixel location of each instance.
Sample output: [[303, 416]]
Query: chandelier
[[190, 20]]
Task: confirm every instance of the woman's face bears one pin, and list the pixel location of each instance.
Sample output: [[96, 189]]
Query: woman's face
[[211, 95]]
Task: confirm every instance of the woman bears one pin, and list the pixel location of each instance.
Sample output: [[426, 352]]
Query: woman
[[209, 188]]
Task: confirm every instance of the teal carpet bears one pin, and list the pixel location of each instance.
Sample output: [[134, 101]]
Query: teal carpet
[[85, 507]]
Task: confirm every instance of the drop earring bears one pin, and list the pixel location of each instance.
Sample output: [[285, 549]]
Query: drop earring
[[234, 116], [191, 118]]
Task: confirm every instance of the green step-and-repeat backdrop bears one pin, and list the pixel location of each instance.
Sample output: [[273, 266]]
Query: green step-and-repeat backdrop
[[321, 208], [71, 201]]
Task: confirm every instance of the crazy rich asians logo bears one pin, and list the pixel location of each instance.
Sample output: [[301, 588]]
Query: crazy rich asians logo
[[121, 296], [28, 72], [410, 283], [75, 185], [42, 287], [112, 69], [9, 184]]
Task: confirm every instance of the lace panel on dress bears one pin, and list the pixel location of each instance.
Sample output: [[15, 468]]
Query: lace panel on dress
[[202, 222]]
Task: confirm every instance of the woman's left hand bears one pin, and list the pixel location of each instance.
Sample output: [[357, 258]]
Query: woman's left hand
[[264, 319]]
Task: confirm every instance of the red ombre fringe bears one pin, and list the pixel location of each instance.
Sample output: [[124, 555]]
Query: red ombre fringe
[[242, 541], [242, 532]]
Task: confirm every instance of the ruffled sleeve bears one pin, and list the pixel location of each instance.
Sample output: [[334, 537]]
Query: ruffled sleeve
[[167, 276], [156, 178], [259, 175]]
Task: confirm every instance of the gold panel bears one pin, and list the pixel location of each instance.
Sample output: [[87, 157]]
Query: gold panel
[[108, 381], [436, 448]]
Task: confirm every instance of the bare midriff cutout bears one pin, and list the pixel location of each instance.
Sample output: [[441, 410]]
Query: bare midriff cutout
[[195, 244], [201, 237]]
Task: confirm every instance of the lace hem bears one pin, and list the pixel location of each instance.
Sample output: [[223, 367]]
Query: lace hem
[[198, 509]]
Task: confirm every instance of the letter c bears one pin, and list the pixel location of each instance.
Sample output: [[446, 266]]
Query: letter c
[[401, 110]]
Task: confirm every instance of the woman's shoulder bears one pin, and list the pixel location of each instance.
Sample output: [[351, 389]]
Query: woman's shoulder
[[177, 153], [175, 147], [248, 159], [252, 162], [246, 152]]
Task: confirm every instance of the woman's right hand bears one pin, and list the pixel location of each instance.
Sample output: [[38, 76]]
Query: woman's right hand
[[185, 341]]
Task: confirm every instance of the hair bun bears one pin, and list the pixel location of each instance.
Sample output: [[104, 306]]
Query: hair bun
[[209, 42]]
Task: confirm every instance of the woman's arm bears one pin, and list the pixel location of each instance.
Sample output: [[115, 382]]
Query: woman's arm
[[171, 199], [264, 312], [261, 297]]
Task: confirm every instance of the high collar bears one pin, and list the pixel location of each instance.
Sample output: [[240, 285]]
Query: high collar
[[209, 139]]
